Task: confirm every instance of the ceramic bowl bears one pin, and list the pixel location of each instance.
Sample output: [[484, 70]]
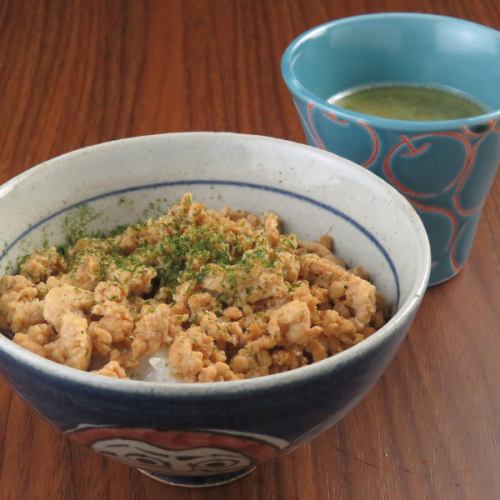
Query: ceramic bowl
[[445, 168], [205, 434]]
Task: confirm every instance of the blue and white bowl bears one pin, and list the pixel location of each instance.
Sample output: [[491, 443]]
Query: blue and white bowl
[[205, 434]]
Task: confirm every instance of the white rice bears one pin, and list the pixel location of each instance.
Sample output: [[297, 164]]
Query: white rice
[[155, 368]]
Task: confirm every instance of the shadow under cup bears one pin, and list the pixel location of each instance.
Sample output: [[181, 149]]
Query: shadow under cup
[[444, 168]]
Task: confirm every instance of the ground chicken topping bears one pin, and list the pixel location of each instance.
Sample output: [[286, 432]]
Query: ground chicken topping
[[225, 293]]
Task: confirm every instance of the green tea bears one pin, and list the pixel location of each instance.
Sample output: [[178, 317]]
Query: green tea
[[409, 102]]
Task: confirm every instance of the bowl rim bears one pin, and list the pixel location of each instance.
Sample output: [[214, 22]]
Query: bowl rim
[[298, 89], [198, 389]]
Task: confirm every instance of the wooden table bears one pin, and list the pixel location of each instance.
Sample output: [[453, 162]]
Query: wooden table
[[74, 73]]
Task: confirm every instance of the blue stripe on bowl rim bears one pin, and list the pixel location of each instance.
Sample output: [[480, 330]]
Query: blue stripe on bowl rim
[[218, 182]]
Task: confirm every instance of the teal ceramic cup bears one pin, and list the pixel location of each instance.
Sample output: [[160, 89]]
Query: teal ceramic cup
[[444, 168]]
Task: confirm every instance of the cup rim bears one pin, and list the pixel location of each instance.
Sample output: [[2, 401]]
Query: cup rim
[[298, 89], [220, 389]]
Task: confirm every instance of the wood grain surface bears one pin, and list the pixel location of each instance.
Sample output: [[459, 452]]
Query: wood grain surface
[[74, 73]]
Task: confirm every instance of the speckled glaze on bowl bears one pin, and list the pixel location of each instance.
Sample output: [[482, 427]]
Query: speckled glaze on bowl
[[207, 434], [444, 168]]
